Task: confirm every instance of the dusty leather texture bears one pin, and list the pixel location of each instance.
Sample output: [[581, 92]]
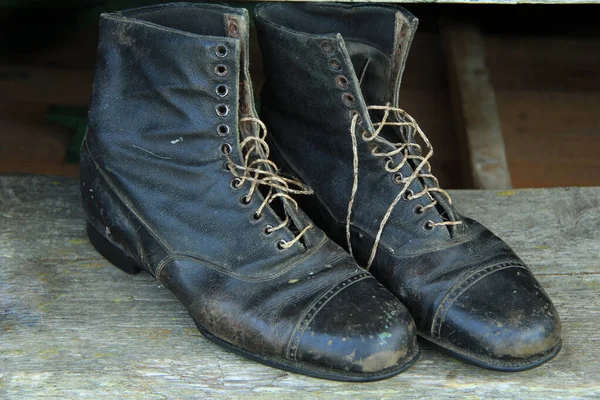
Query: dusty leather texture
[[154, 186], [465, 288]]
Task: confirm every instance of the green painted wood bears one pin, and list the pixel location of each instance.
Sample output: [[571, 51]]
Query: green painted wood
[[73, 326]]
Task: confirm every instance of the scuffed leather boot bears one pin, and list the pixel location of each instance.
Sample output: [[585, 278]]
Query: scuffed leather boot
[[176, 180], [331, 103]]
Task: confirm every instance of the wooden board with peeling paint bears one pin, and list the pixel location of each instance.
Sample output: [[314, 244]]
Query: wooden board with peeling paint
[[73, 326]]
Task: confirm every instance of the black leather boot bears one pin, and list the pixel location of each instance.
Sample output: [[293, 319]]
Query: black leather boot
[[331, 101], [176, 181]]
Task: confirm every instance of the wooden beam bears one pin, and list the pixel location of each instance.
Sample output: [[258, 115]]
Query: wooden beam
[[474, 104], [47, 85]]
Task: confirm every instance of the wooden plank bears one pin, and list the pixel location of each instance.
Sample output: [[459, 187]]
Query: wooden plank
[[73, 326], [32, 167], [29, 137], [548, 97], [546, 63], [474, 103], [48, 85], [552, 137]]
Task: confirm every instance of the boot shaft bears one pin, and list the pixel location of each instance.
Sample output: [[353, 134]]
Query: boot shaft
[[166, 75], [317, 79], [365, 45], [170, 90]]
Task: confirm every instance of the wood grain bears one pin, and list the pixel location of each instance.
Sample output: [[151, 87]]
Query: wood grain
[[73, 326], [552, 138], [474, 104], [544, 63]]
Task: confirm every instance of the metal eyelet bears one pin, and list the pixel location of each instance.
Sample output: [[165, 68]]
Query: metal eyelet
[[256, 216], [222, 110], [280, 243], [353, 113], [221, 70], [335, 64], [221, 51], [389, 162], [342, 81], [348, 99], [236, 183], [397, 178], [267, 229], [407, 195], [222, 90], [225, 148], [244, 200], [429, 225], [223, 130], [418, 210], [327, 47]]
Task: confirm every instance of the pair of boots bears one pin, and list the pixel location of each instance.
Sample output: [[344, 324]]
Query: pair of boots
[[323, 248]]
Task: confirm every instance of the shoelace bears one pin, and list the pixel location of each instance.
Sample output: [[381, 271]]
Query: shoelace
[[255, 169], [400, 148]]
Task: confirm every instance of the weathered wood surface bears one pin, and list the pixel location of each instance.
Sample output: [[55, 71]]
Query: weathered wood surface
[[73, 326], [474, 103]]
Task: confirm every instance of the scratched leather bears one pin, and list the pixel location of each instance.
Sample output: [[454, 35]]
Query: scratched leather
[[154, 184], [465, 288]]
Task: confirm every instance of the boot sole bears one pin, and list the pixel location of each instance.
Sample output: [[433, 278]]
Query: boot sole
[[491, 363], [129, 265]]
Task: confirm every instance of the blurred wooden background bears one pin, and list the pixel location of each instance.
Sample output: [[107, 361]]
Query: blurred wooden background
[[543, 63]]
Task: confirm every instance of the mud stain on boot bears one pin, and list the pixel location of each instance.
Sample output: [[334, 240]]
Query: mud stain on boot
[[379, 361]]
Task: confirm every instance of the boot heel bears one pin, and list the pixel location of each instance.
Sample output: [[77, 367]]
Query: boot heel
[[111, 252]]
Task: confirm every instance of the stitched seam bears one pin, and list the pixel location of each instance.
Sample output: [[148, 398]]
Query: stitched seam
[[127, 203], [458, 290], [305, 321], [398, 254], [245, 278]]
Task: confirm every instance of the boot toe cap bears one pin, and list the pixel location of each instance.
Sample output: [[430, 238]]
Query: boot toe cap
[[361, 329], [502, 321]]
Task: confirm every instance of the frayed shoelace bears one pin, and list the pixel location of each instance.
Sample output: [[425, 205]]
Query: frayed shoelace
[[400, 148], [255, 152]]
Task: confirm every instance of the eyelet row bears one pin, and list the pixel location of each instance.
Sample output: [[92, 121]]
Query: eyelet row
[[349, 100], [236, 184], [222, 90], [341, 81], [408, 195]]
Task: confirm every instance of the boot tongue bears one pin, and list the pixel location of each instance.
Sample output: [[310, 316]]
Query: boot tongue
[[373, 69]]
